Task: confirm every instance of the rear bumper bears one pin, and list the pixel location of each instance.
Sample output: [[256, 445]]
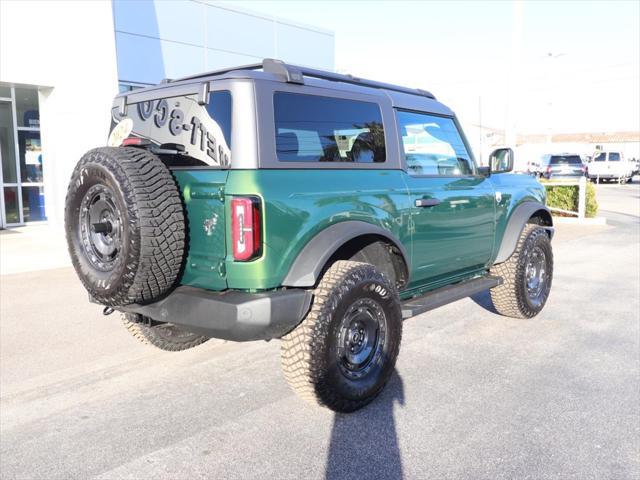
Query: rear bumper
[[563, 175], [606, 175], [230, 315]]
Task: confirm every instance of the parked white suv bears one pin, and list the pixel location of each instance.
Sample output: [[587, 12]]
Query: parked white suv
[[610, 166]]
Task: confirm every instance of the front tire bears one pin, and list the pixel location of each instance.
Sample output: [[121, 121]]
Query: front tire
[[527, 276], [344, 351]]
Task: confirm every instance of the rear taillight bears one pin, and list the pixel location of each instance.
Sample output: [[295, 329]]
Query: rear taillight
[[549, 169], [246, 226], [135, 142]]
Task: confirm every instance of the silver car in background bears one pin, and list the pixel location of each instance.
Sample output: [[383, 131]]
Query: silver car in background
[[565, 165]]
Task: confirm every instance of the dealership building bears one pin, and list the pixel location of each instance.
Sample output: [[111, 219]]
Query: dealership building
[[62, 62]]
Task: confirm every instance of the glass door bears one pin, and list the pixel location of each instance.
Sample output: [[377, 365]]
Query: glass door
[[21, 180], [10, 197], [29, 154]]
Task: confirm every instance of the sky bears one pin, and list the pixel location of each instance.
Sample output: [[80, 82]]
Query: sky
[[535, 65]]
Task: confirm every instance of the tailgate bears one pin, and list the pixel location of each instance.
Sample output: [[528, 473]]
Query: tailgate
[[203, 194]]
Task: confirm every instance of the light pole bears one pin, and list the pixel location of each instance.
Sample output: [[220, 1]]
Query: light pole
[[550, 56], [514, 79]]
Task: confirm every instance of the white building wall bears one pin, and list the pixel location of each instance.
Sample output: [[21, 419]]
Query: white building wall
[[67, 48], [158, 39]]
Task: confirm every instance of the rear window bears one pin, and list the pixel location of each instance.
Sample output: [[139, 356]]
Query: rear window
[[614, 157], [311, 128], [219, 109], [565, 160]]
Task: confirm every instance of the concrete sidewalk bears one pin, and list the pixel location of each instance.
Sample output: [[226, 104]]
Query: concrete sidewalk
[[32, 248]]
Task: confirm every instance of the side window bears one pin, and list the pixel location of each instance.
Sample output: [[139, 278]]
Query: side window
[[312, 128], [601, 157], [433, 145], [614, 157]]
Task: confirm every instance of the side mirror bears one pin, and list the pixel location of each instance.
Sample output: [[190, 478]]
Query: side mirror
[[501, 160], [484, 171]]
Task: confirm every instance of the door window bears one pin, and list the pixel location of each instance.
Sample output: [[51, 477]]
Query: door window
[[433, 145], [614, 157]]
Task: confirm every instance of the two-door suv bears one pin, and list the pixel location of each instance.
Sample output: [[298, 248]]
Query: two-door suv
[[279, 202]]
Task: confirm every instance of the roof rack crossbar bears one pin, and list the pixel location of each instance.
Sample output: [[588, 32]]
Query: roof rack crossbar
[[279, 67]]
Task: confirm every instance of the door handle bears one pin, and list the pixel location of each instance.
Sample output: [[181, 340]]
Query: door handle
[[427, 202]]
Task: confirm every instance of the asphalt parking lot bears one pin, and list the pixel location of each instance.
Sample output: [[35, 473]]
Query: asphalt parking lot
[[474, 396]]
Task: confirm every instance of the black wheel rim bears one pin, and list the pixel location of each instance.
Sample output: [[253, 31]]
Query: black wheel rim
[[536, 276], [361, 337], [100, 227]]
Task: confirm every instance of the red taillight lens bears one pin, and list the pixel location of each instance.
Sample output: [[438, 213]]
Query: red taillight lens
[[246, 226], [549, 169], [135, 142]]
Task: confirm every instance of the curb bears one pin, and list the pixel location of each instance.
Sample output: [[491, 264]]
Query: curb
[[596, 221]]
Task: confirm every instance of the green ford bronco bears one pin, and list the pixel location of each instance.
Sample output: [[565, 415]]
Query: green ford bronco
[[274, 201]]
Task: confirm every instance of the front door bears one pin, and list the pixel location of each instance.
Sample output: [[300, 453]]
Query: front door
[[453, 208]]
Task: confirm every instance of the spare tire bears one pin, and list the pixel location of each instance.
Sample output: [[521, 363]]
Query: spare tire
[[125, 225]]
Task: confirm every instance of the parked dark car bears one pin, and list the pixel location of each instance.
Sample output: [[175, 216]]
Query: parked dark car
[[563, 166]]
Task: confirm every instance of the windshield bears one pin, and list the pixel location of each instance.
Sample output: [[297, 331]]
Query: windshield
[[565, 160]]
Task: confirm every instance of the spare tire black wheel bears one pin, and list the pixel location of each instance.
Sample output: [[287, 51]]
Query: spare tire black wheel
[[125, 225]]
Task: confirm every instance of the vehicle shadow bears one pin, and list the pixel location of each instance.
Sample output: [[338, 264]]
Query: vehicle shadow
[[484, 300], [364, 444]]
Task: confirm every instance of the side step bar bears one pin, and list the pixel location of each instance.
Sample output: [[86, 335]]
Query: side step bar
[[451, 293]]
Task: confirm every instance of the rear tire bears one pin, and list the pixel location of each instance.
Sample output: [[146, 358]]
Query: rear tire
[[125, 226], [527, 275], [166, 336], [344, 351]]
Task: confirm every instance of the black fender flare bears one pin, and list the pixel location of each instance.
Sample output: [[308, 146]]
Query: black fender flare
[[308, 265], [521, 214]]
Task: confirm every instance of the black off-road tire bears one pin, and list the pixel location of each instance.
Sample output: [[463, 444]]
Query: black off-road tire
[[145, 246], [310, 353], [166, 337], [512, 298]]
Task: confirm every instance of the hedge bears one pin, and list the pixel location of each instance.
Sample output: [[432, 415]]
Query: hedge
[[566, 198]]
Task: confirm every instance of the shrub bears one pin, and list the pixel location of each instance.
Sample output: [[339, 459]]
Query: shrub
[[566, 198], [592, 201]]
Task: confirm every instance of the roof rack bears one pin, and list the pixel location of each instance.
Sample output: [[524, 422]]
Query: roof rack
[[251, 66], [296, 74]]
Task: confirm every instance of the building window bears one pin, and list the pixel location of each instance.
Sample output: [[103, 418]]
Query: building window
[[21, 178]]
